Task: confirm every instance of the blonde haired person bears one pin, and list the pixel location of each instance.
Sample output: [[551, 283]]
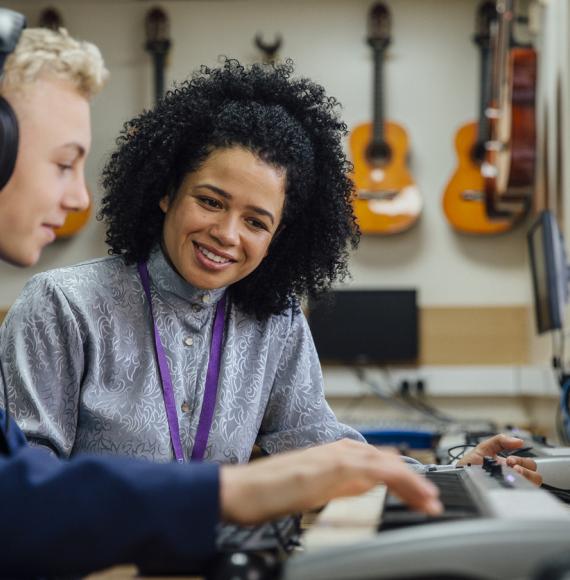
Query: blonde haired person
[[48, 81], [43, 52], [91, 512]]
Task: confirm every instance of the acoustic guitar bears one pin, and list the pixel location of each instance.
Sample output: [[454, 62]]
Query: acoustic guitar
[[464, 196], [510, 152], [387, 200], [74, 222]]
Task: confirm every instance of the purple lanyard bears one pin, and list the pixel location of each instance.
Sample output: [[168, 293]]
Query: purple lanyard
[[212, 376]]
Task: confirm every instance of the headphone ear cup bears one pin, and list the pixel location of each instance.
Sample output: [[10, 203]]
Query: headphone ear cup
[[9, 136]]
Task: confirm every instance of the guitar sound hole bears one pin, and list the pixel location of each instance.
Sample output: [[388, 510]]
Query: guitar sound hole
[[378, 153]]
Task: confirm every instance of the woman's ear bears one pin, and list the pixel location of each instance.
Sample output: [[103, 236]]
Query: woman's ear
[[164, 203]]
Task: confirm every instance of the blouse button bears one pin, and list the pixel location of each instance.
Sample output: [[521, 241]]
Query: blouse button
[[185, 407], [189, 341], [205, 298], [196, 308]]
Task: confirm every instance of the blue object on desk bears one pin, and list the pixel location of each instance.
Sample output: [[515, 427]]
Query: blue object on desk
[[411, 438]]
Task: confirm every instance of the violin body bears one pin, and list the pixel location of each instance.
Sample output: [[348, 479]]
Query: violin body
[[509, 165], [523, 132]]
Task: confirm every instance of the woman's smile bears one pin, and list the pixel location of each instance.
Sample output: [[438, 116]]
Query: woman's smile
[[210, 258], [220, 223]]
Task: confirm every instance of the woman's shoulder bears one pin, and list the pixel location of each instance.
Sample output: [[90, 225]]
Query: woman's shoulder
[[86, 275], [281, 322]]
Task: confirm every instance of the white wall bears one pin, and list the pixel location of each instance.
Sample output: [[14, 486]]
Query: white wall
[[432, 88]]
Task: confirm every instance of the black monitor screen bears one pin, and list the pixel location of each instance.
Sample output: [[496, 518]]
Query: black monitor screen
[[366, 326], [549, 272]]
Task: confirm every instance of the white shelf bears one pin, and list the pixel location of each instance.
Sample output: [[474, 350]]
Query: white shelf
[[450, 381]]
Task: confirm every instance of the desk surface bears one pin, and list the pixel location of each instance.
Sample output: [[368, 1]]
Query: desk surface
[[130, 572]]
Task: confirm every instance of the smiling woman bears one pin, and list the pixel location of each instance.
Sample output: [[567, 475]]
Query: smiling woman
[[224, 205]]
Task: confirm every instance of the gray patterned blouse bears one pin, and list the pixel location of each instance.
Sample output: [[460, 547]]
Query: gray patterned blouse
[[82, 374]]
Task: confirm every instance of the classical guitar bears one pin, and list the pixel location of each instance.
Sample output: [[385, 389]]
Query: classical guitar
[[386, 200], [510, 152], [74, 222], [464, 196], [52, 19]]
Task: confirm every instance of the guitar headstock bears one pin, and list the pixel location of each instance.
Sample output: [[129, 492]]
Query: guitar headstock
[[486, 15], [379, 26]]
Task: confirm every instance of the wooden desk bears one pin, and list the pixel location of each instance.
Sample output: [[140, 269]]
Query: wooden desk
[[130, 572], [118, 573]]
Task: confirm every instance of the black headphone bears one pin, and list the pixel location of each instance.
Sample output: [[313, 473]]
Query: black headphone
[[11, 26]]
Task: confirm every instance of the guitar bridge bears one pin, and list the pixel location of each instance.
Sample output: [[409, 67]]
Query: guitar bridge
[[378, 195], [472, 195]]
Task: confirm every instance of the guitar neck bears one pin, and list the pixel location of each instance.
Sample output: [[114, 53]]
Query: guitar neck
[[483, 130], [159, 50], [378, 112]]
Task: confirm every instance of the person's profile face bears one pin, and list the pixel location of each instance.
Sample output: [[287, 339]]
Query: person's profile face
[[48, 181], [219, 225]]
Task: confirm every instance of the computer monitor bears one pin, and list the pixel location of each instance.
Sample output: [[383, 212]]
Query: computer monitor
[[366, 326], [549, 270]]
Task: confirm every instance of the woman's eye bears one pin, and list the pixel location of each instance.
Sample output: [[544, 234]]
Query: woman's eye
[[210, 202], [63, 167], [258, 225]]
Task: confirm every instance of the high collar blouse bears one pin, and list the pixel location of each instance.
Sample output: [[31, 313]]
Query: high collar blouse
[[82, 373]]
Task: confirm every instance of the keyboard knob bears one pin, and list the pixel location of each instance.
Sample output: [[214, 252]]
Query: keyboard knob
[[488, 463], [496, 471]]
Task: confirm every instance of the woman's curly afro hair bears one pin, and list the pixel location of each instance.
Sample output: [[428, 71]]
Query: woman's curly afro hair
[[287, 122]]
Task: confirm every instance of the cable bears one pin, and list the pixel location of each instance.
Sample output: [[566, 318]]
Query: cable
[[562, 494], [425, 408], [459, 455], [560, 428], [558, 353], [391, 398], [402, 402], [564, 407], [418, 402]]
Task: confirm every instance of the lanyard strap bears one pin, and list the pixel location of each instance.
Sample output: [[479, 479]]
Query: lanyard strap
[[212, 377]]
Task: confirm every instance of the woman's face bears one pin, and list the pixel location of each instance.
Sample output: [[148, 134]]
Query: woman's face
[[218, 227]]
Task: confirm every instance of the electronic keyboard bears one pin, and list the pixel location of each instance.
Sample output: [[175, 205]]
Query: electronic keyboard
[[495, 526]]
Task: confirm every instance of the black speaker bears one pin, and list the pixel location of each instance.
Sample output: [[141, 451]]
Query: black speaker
[[11, 26]]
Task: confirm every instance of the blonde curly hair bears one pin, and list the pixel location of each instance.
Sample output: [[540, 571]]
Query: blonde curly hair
[[42, 52]]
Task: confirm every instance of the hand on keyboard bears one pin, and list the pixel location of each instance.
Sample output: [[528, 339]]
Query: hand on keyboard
[[526, 466], [302, 480]]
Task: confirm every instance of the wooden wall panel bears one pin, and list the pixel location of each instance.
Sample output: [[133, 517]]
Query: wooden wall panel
[[474, 335], [2, 314]]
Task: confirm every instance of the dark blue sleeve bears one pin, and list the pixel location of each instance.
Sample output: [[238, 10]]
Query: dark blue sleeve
[[91, 512]]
